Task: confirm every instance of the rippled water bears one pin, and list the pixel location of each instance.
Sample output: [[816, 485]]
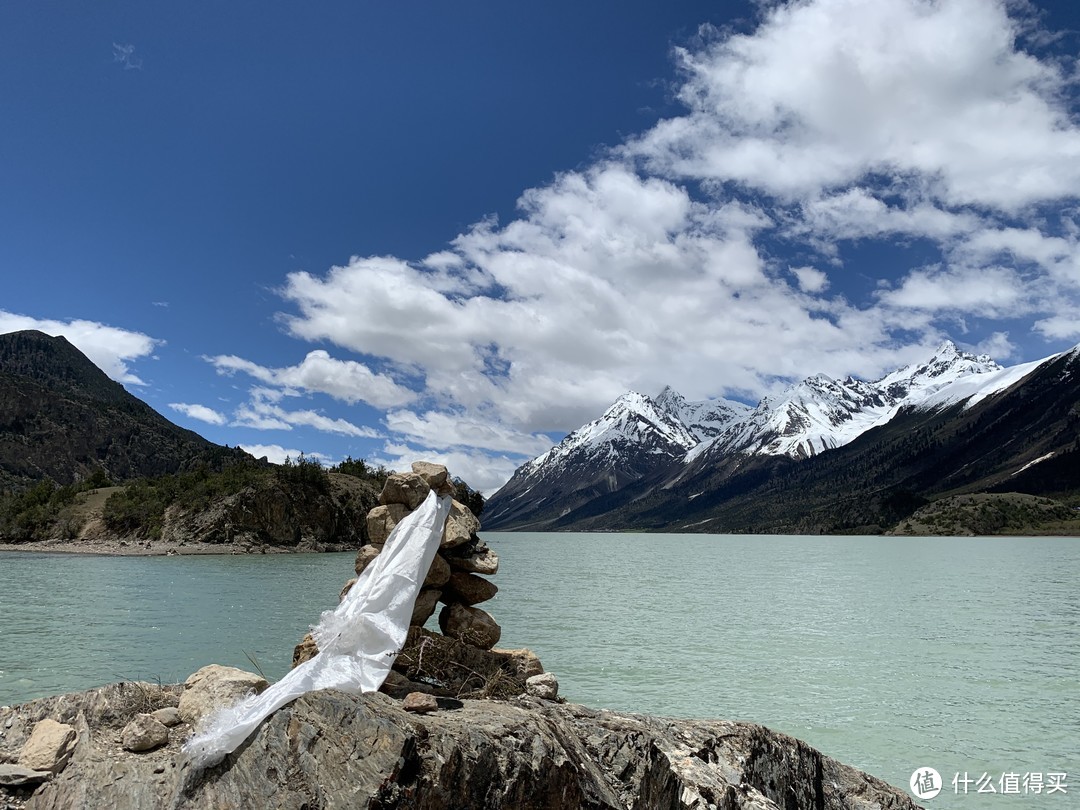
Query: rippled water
[[962, 654]]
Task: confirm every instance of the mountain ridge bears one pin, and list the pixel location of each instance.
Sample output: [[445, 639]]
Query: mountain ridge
[[63, 419], [774, 442]]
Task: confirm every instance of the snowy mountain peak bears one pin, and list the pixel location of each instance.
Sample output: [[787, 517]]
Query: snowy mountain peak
[[815, 414], [947, 365], [670, 400], [632, 420], [705, 418]]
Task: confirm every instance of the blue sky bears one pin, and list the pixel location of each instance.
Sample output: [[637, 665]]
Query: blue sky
[[457, 231]]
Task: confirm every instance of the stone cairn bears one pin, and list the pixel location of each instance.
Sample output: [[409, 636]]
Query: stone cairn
[[461, 661]]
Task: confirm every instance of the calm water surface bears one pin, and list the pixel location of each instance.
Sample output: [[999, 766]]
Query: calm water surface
[[962, 654]]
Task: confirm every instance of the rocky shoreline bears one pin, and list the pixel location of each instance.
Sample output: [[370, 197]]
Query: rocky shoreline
[[158, 548], [332, 750]]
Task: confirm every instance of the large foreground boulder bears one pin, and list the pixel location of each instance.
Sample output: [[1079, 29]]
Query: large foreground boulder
[[332, 750]]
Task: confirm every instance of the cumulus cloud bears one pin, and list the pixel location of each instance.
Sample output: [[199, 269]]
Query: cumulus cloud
[[263, 415], [110, 348], [200, 412], [446, 430], [1059, 326], [993, 291], [935, 96], [345, 380], [810, 279]]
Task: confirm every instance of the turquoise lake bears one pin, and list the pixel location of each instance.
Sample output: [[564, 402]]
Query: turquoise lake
[[890, 654]]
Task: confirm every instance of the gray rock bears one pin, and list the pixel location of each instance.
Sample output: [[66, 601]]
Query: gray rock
[[214, 687], [144, 733], [364, 557], [168, 717], [407, 489], [381, 521], [461, 526], [468, 589], [333, 750], [545, 686], [439, 573], [435, 475], [21, 776], [482, 560], [49, 747], [426, 602], [470, 625]]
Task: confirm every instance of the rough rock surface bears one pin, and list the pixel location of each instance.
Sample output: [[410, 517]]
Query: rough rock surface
[[49, 746], [471, 625], [144, 733], [468, 589], [420, 703], [479, 560], [426, 602], [461, 526], [168, 717], [381, 521], [439, 573], [435, 475], [544, 686], [19, 775], [214, 687], [365, 555], [408, 489], [330, 750]]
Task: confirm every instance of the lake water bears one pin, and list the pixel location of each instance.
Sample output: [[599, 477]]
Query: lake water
[[890, 654]]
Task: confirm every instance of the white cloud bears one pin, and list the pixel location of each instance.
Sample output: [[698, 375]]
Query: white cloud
[[1065, 327], [935, 96], [262, 415], [810, 279], [997, 345], [110, 348], [345, 380], [200, 412], [993, 291], [446, 430], [604, 280], [858, 214]]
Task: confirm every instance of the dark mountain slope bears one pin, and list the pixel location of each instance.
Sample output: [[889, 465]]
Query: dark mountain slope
[[62, 418]]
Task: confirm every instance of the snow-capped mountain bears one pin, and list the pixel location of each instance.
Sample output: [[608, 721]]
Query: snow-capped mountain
[[642, 442], [634, 438], [821, 413], [634, 422], [705, 420]]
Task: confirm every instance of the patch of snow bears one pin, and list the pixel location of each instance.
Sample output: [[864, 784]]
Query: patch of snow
[[1033, 463]]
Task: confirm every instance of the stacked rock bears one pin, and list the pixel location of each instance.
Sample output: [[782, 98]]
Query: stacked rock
[[461, 660], [456, 577]]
